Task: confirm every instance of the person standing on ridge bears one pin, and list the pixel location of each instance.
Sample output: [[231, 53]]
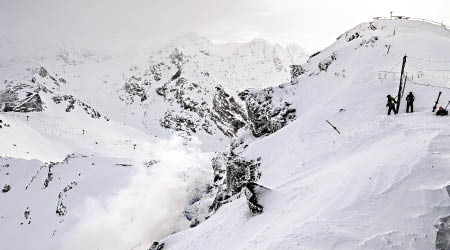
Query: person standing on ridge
[[410, 102], [391, 104]]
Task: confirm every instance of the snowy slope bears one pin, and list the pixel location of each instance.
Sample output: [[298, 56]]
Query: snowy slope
[[380, 184], [84, 157]]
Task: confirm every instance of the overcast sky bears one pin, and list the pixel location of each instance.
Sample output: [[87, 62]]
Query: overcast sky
[[313, 24]]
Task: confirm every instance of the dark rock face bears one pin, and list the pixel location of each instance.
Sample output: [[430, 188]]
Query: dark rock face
[[296, 71], [178, 123], [157, 246], [254, 192], [224, 113], [6, 189], [227, 114], [135, 86], [26, 95], [231, 173], [10, 102], [443, 235], [71, 101], [352, 36], [32, 104], [61, 209], [265, 115], [43, 72], [4, 124], [313, 55]]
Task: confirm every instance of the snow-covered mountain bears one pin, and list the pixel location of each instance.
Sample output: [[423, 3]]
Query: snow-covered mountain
[[180, 86], [91, 141], [382, 183], [255, 166]]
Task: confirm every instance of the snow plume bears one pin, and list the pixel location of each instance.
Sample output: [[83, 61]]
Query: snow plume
[[149, 208]]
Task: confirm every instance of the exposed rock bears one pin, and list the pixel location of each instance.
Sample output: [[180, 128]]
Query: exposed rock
[[61, 209], [178, 59], [296, 71], [177, 75], [6, 189], [31, 104], [253, 192], [266, 115], [157, 246], [313, 55], [443, 235], [72, 101], [224, 114], [227, 114], [43, 72], [352, 37], [135, 86], [369, 42], [231, 173], [323, 65], [178, 123]]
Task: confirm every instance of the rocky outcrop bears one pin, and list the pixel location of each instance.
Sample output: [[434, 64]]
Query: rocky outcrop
[[61, 208], [443, 234], [324, 64], [4, 124], [6, 189], [227, 114], [31, 104], [296, 71], [254, 193], [224, 113], [71, 102], [135, 86], [232, 172], [157, 246], [266, 115], [26, 95], [10, 101]]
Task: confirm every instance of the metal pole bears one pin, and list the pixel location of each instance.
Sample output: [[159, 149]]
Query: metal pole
[[399, 96]]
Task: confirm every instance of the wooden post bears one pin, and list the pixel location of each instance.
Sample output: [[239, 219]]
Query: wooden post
[[399, 96]]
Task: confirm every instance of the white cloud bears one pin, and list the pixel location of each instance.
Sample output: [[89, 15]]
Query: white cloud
[[148, 209]]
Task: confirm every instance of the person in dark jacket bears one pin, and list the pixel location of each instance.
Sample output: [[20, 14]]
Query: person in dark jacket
[[441, 112], [410, 102], [391, 104]]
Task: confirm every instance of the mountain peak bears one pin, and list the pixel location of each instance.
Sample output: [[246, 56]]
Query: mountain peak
[[192, 39]]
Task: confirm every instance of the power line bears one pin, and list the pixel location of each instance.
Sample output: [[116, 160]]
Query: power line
[[427, 85], [435, 70], [396, 65], [429, 60]]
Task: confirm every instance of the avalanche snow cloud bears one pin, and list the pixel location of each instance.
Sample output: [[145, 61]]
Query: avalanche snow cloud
[[110, 203], [148, 208]]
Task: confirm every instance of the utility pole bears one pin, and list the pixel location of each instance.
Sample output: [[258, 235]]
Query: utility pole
[[399, 96]]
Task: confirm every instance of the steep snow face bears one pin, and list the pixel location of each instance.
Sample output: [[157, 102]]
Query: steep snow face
[[381, 183]]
